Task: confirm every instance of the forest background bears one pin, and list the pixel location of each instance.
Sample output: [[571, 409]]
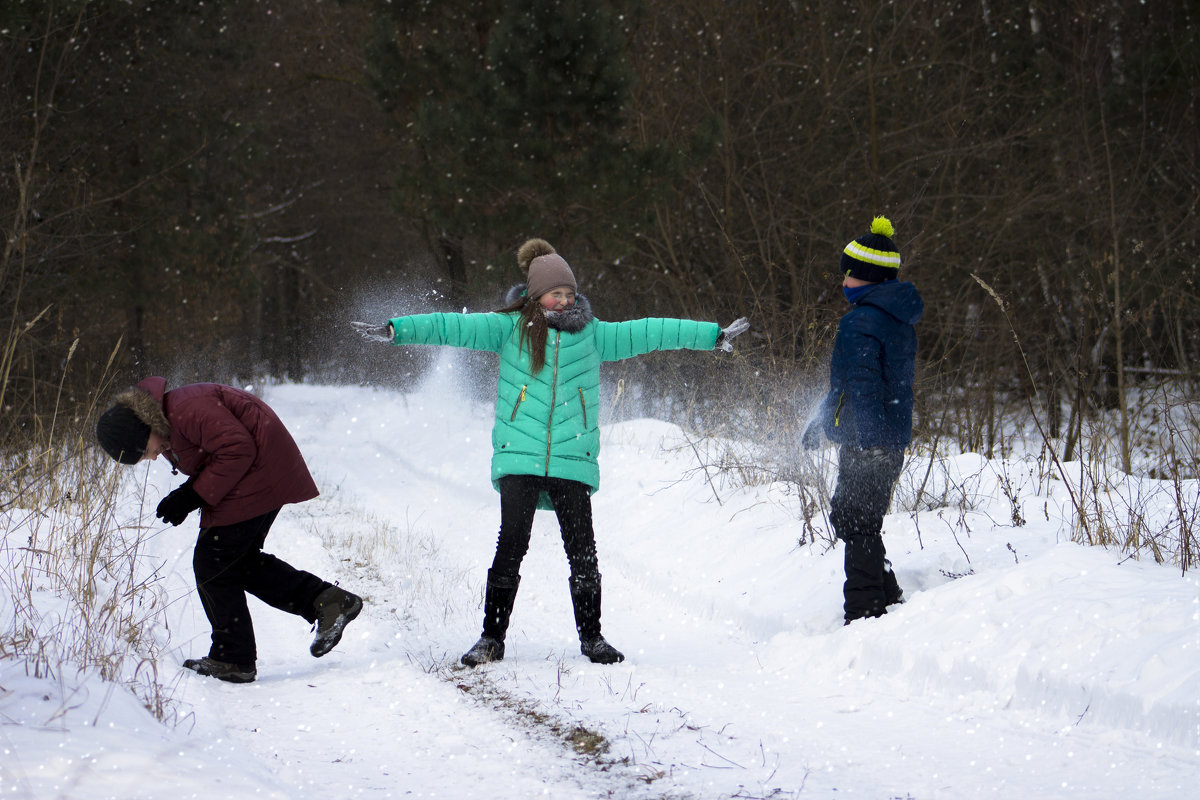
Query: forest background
[[213, 190]]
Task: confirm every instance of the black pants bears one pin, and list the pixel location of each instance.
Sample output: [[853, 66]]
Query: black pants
[[228, 562], [573, 506], [860, 501]]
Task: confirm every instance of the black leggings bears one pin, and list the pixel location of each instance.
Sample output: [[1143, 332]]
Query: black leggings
[[572, 504], [228, 562]]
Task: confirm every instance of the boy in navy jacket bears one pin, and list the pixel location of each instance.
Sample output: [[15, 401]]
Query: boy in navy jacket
[[868, 412]]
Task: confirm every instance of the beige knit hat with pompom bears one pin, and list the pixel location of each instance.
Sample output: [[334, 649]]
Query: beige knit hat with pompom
[[545, 269]]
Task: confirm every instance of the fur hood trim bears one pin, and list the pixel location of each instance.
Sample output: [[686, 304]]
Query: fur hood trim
[[514, 294], [147, 408], [572, 320]]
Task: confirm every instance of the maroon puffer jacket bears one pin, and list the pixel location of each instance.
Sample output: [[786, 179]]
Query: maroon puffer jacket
[[244, 460]]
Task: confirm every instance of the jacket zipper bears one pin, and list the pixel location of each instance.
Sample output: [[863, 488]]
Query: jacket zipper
[[517, 405], [583, 403], [553, 396], [837, 412]]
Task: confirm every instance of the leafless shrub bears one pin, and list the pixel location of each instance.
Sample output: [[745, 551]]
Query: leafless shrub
[[85, 597]]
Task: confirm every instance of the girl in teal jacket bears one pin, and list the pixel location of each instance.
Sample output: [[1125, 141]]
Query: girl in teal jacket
[[546, 435]]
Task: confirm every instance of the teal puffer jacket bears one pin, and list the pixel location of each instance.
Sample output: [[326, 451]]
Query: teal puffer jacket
[[548, 424]]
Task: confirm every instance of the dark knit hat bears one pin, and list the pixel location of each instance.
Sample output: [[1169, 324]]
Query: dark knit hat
[[544, 268], [122, 434], [873, 257]]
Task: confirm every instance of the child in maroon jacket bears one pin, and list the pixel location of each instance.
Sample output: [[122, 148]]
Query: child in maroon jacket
[[243, 466]]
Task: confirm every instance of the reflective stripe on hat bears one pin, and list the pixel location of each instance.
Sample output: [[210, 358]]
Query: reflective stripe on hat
[[882, 258]]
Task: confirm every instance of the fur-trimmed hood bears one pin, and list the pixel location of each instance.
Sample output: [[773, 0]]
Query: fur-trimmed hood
[[147, 405], [571, 320]]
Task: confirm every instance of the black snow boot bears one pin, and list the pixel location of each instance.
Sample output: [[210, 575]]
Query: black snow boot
[[335, 609], [864, 587], [585, 596], [484, 651], [498, 601], [892, 593], [222, 670], [600, 651]]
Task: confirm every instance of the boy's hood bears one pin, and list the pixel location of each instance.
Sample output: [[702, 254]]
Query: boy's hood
[[899, 299]]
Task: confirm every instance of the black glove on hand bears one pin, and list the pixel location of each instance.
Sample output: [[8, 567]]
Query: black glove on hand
[[175, 507], [374, 333], [739, 325]]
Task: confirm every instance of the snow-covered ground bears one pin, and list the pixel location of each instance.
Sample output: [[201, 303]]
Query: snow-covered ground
[[1022, 665]]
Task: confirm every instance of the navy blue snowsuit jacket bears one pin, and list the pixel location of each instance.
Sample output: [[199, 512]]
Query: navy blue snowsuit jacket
[[870, 396]]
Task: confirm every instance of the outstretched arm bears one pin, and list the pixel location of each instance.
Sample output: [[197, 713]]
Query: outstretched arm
[[621, 340], [471, 331]]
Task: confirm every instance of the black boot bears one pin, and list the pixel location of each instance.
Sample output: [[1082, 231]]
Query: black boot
[[335, 608], [892, 592], [864, 591], [498, 601], [585, 596], [222, 670]]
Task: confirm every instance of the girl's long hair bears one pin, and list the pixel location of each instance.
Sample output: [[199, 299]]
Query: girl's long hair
[[532, 322]]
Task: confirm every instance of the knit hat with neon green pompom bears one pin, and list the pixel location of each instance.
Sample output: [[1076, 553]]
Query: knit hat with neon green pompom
[[873, 257]]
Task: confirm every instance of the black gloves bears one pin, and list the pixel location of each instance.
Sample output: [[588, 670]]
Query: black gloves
[[175, 507], [374, 333]]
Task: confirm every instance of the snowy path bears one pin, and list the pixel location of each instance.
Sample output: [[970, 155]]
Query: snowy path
[[1024, 679]]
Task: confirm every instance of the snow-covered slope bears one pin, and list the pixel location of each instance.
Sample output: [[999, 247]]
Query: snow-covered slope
[[1021, 666]]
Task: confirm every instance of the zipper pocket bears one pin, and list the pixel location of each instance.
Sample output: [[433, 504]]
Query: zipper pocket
[[583, 405], [837, 412], [517, 405]]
